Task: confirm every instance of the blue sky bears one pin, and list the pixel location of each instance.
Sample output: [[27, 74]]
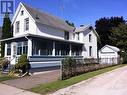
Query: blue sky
[[79, 11]]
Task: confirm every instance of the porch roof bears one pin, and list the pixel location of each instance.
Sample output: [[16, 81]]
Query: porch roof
[[41, 37]]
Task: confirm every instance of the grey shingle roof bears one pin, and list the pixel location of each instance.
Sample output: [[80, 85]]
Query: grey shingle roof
[[47, 19], [83, 28]]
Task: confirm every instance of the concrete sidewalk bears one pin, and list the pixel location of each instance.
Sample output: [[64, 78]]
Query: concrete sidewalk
[[8, 90]]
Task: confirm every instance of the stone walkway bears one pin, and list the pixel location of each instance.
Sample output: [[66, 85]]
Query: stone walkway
[[111, 83], [8, 90], [34, 80]]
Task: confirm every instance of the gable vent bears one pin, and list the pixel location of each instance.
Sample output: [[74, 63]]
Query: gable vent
[[37, 17]]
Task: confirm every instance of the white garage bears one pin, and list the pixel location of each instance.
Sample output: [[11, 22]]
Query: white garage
[[109, 54]]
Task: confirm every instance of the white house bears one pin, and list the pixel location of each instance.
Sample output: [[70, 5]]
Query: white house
[[46, 39], [109, 54]]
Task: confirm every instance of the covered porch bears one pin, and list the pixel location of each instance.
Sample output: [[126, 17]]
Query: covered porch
[[41, 51]]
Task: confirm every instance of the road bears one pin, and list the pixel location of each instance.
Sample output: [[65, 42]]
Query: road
[[110, 83]]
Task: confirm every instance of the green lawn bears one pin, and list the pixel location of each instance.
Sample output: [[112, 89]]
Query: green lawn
[[52, 87], [5, 77]]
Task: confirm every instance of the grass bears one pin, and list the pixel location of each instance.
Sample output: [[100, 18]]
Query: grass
[[5, 77], [52, 87]]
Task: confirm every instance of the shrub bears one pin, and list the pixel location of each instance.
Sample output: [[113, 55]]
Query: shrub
[[23, 64], [68, 66], [4, 63], [123, 57], [72, 67]]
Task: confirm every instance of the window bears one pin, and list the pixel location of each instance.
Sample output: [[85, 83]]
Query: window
[[26, 24], [78, 36], [22, 48], [19, 48], [90, 50], [44, 48], [22, 12], [90, 37], [66, 35], [25, 47], [8, 49], [73, 36], [17, 26]]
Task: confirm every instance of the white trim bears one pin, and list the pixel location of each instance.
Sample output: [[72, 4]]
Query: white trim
[[53, 51], [29, 47], [17, 12]]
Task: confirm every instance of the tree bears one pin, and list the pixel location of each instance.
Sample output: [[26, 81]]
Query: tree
[[104, 26], [69, 23], [119, 35], [6, 31]]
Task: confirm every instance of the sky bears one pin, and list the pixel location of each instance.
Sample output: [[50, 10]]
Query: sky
[[78, 11]]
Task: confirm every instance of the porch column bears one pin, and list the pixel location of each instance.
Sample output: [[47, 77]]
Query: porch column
[[53, 51], [13, 53], [29, 47], [70, 50], [5, 51]]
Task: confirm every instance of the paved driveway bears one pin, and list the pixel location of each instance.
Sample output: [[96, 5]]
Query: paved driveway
[[34, 80], [111, 83]]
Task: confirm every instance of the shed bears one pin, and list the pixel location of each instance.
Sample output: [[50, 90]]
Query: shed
[[109, 54]]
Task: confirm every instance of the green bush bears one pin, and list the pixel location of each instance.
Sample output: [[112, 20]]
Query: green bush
[[72, 67], [123, 56], [23, 64], [68, 65], [4, 63]]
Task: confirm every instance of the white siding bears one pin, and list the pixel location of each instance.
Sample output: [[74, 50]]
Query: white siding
[[108, 55], [21, 19], [87, 44]]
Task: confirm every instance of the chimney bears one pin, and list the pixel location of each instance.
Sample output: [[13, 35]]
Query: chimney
[[81, 25], [37, 16]]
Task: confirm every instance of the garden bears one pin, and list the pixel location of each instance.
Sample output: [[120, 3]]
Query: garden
[[20, 69]]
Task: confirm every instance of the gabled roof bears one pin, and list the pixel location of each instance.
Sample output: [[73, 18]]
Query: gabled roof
[[85, 27], [111, 47], [81, 29], [47, 19]]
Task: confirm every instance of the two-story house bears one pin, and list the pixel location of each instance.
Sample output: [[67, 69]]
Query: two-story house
[[46, 39]]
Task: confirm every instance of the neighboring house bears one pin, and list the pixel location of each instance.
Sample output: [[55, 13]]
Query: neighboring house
[[47, 39], [109, 54], [0, 39]]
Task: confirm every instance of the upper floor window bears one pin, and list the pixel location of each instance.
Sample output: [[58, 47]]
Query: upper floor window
[[17, 26], [73, 36], [26, 24], [8, 49], [66, 35], [78, 36], [22, 12], [90, 37]]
